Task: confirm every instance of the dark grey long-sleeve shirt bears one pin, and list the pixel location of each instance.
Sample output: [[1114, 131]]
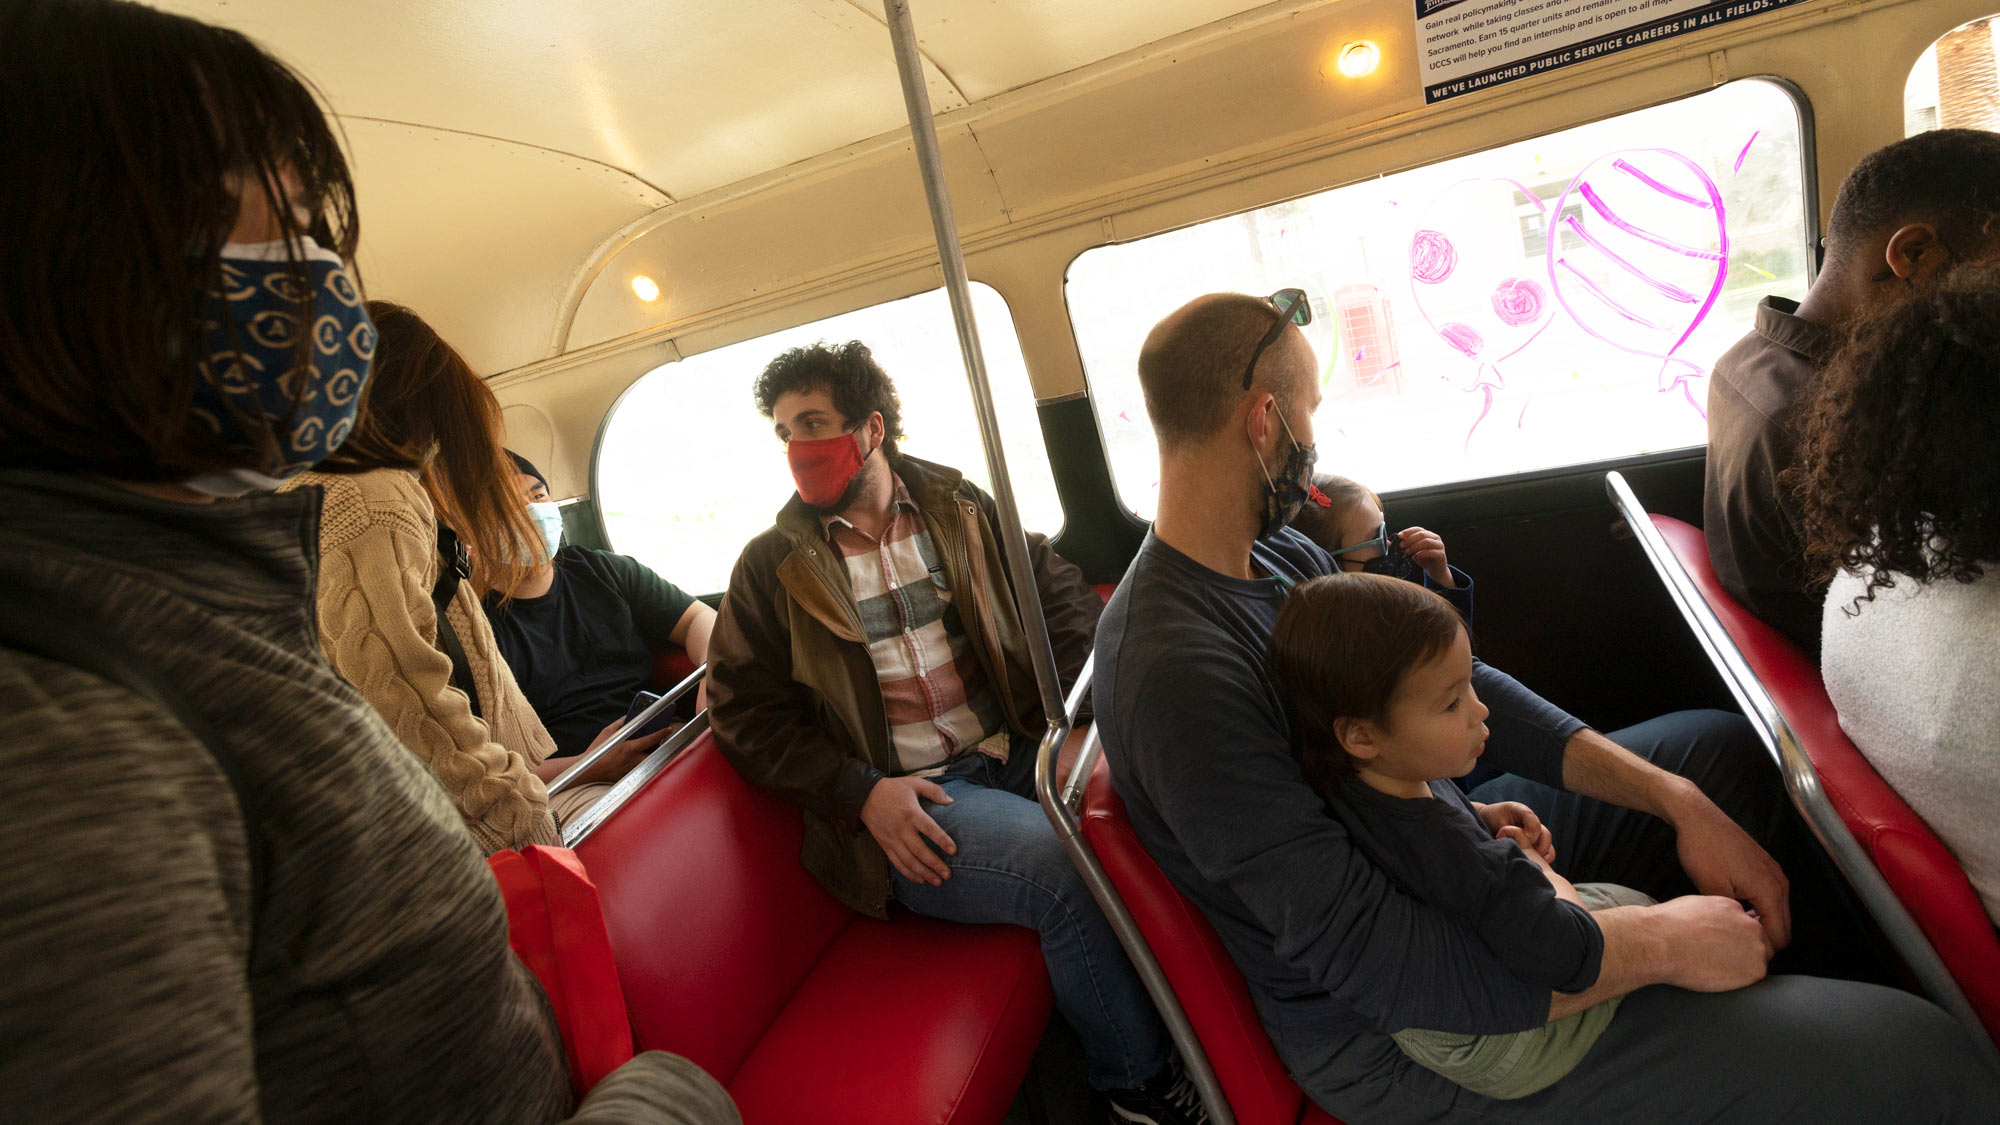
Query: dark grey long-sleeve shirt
[[1438, 849], [1197, 741]]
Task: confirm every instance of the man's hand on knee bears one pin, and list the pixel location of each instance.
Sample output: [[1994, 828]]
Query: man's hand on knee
[[1722, 859], [1717, 855], [895, 816], [1712, 943], [1702, 943]]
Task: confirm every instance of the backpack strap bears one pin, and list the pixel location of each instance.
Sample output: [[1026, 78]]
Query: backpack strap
[[457, 568], [39, 627]]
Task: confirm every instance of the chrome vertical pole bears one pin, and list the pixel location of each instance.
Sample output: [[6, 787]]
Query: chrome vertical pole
[[1013, 539]]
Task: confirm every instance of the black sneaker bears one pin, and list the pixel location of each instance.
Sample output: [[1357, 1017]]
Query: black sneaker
[[1169, 1099]]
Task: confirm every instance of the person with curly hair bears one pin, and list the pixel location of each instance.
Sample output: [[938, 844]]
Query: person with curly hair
[[869, 665], [1904, 213], [1899, 485]]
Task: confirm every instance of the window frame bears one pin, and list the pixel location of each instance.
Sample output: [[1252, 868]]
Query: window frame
[[1809, 202], [713, 598]]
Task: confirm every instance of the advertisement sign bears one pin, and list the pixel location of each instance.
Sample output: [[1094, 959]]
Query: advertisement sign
[[1468, 45]]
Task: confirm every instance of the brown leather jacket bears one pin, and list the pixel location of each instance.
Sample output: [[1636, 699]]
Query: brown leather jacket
[[792, 693]]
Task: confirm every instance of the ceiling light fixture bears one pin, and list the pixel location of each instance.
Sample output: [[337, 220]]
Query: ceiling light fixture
[[1359, 59], [646, 288]]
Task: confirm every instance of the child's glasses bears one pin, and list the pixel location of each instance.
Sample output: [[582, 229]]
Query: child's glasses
[[1381, 542]]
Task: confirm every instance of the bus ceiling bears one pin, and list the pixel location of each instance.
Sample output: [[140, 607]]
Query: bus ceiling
[[499, 146], [546, 180]]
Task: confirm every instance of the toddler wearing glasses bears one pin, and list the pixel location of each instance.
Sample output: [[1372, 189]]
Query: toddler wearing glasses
[[1349, 526], [1377, 679]]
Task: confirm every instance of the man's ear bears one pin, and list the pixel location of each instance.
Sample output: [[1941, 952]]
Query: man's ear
[[1915, 252], [1361, 738], [877, 429], [1261, 419]]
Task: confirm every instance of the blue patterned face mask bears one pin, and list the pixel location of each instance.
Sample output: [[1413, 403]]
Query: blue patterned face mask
[[252, 361], [549, 519]]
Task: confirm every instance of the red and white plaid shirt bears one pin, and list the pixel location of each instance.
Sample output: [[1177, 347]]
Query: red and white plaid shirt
[[934, 689]]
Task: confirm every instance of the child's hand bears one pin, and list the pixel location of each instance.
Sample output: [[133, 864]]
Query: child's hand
[[1512, 820], [1427, 551]]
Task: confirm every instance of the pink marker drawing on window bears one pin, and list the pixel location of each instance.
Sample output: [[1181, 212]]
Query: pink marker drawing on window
[[1467, 281], [1640, 255]]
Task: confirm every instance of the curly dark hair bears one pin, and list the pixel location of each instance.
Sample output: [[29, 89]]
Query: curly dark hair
[[1899, 469], [848, 372]]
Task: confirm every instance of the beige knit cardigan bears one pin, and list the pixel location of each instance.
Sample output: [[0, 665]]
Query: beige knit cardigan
[[378, 562]]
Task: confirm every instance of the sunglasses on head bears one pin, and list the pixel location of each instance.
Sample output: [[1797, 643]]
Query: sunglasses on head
[[1292, 308]]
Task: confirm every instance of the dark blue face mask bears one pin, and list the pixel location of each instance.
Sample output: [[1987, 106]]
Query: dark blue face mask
[[252, 370], [1395, 563]]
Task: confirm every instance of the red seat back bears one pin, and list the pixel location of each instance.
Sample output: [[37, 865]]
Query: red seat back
[[1209, 986], [1916, 864], [671, 665], [712, 920]]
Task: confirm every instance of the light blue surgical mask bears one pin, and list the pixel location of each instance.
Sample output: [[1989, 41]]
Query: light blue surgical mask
[[252, 366], [548, 517]]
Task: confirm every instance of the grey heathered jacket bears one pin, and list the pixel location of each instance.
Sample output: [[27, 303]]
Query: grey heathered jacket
[[381, 987]]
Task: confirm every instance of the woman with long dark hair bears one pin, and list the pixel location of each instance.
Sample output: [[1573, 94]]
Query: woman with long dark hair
[[1899, 483], [426, 451], [232, 894]]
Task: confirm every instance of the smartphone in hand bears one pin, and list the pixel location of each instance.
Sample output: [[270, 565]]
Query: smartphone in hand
[[659, 722]]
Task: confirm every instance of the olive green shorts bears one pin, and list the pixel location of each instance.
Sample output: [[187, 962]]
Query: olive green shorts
[[1518, 1064]]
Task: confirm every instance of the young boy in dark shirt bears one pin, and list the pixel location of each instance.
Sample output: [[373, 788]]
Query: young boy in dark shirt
[[1377, 674]]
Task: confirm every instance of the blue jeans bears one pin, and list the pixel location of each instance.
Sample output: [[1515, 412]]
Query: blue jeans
[[1011, 869]]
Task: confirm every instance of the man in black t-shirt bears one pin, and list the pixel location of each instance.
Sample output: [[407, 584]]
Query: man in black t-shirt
[[580, 635]]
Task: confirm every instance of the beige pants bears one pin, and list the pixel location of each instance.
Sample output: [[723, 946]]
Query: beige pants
[[572, 801]]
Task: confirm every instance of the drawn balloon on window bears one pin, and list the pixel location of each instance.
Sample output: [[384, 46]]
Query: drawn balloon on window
[[1470, 284], [1639, 254]]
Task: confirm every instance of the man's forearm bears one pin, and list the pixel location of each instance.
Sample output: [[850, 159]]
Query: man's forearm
[[1717, 854], [1595, 766], [1634, 956]]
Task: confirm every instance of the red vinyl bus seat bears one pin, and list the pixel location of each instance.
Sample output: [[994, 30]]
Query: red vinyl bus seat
[[671, 665], [1210, 988], [731, 955], [1921, 871]]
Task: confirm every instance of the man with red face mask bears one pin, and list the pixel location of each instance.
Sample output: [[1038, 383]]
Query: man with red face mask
[[869, 665]]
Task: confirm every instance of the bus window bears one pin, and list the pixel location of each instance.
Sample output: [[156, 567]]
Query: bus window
[[687, 470], [1954, 84], [1545, 303]]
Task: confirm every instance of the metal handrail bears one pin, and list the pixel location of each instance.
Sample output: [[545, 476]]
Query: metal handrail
[[1013, 538], [1801, 778], [593, 818], [568, 777], [1061, 805]]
